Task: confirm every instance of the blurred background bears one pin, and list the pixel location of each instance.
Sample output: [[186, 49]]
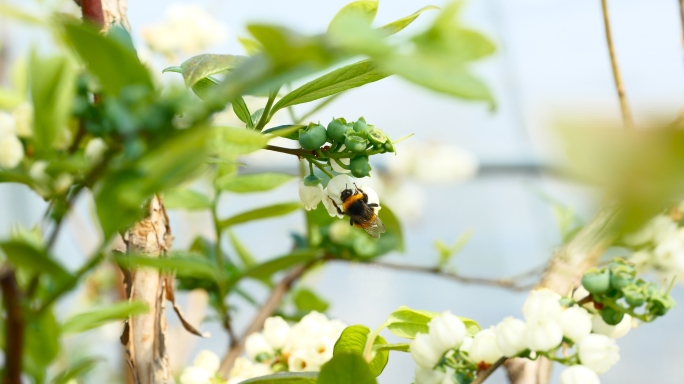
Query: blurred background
[[466, 169]]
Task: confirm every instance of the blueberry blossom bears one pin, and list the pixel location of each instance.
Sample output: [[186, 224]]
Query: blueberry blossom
[[576, 323], [579, 374], [446, 331], [311, 192], [484, 348], [510, 336], [598, 352]]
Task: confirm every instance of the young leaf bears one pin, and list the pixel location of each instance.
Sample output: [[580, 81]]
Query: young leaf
[[41, 340], [201, 66], [285, 378], [364, 11], [33, 258], [242, 112], [401, 347], [183, 198], [238, 141], [257, 182], [76, 370], [406, 322], [265, 270], [242, 251], [251, 47], [115, 65], [346, 368], [203, 87], [287, 131], [307, 300], [398, 25], [339, 80], [353, 340], [98, 317], [182, 265], [52, 89], [261, 213]]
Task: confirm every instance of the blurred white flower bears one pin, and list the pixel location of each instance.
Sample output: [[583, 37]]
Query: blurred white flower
[[510, 336], [333, 329], [63, 182], [543, 335], [467, 343], [275, 331], [598, 352], [654, 231], [256, 344], [259, 370], [434, 162], [579, 294], [94, 150], [424, 352], [429, 376], [11, 151], [336, 166], [8, 125], [242, 368], [542, 304], [23, 117], [446, 331], [407, 201], [576, 323], [613, 331], [311, 195], [484, 348], [579, 374], [329, 206], [196, 375], [322, 350], [338, 184], [186, 29], [301, 361], [236, 380], [643, 260], [208, 360]]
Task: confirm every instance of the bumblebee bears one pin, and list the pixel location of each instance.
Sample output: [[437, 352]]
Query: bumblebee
[[361, 213]]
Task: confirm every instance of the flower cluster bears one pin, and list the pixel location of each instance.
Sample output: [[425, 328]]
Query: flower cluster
[[312, 192], [203, 369], [280, 347], [659, 245], [13, 126]]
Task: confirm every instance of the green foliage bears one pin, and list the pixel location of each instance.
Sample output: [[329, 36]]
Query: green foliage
[[41, 343], [406, 322], [243, 253], [307, 300], [353, 341], [285, 378], [183, 266], [76, 370], [268, 268], [98, 317], [237, 141], [184, 198], [398, 25], [346, 368], [257, 182], [261, 213], [34, 258], [446, 252]]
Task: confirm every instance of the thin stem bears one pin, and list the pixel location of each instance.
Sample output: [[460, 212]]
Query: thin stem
[[311, 172], [217, 231], [482, 376], [14, 326], [341, 164], [266, 115], [290, 151], [624, 106]]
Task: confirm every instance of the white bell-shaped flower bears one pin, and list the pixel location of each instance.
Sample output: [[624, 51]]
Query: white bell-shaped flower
[[447, 332], [424, 352], [576, 323], [579, 374], [302, 361], [598, 352], [8, 125], [196, 375], [484, 348], [23, 118], [11, 151], [207, 360], [260, 369], [94, 150], [276, 331], [256, 344], [543, 335], [613, 331], [467, 343], [338, 184], [542, 305], [242, 368], [311, 195], [510, 336]]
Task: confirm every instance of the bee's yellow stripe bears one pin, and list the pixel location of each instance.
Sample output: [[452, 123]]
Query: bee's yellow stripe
[[351, 200], [366, 224]]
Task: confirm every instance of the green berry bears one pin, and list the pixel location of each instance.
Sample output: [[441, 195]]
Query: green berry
[[596, 280], [360, 126], [337, 129], [355, 143], [376, 136], [359, 166], [634, 296], [622, 276], [389, 147], [611, 316], [312, 137]]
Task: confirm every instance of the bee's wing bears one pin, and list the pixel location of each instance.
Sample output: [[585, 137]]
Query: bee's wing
[[375, 228]]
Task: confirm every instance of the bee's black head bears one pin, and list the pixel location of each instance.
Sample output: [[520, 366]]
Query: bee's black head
[[347, 193]]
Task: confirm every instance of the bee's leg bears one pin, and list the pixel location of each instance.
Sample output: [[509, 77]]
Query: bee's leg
[[336, 207], [365, 197], [373, 205], [351, 221]]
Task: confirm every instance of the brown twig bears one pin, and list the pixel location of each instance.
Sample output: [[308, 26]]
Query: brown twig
[[290, 151], [92, 12], [482, 376], [508, 283], [624, 105], [266, 310], [14, 326]]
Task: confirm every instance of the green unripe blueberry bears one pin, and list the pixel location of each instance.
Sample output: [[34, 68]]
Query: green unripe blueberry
[[359, 166], [622, 276], [633, 296], [355, 143], [596, 280], [360, 126], [389, 147], [312, 137], [337, 129], [659, 303], [376, 136], [611, 316]]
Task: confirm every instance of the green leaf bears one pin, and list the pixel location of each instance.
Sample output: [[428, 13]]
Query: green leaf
[[353, 340], [339, 80], [307, 300], [256, 116], [287, 131], [114, 64], [11, 12], [364, 11], [267, 269], [251, 47], [41, 340], [35, 259], [393, 238], [52, 90], [238, 141], [257, 182], [182, 265], [199, 67], [401, 347], [406, 322], [76, 370], [346, 368], [98, 317], [285, 378], [204, 87], [243, 253], [10, 99], [398, 25], [242, 112], [183, 198], [261, 213]]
